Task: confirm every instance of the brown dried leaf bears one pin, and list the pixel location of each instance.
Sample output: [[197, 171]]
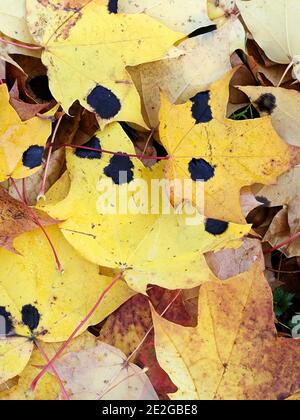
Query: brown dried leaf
[[16, 218]]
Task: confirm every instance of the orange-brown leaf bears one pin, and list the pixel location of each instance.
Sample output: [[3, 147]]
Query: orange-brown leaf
[[234, 352], [17, 218]]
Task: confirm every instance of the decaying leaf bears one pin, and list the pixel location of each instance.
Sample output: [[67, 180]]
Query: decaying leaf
[[201, 60], [170, 12], [279, 194], [90, 66], [130, 329], [248, 201], [127, 327], [239, 355], [100, 227], [25, 110], [285, 224], [283, 105], [16, 218], [218, 154], [229, 263], [102, 373], [274, 26]]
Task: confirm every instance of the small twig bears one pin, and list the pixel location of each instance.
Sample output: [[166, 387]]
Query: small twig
[[282, 271]]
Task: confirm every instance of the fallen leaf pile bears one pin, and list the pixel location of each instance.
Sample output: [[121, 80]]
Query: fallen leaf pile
[[149, 200]]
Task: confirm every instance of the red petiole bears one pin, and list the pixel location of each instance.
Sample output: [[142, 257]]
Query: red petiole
[[284, 243], [142, 156], [17, 44], [38, 223], [60, 382], [49, 365]]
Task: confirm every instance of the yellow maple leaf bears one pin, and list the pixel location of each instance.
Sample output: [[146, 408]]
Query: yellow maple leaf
[[152, 243], [170, 12], [38, 302], [48, 387], [87, 49], [220, 154], [21, 142], [234, 352]]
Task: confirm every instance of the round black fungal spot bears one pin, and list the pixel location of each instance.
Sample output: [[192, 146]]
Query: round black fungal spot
[[266, 103], [201, 170], [113, 6], [104, 102], [30, 317], [6, 324], [90, 154], [120, 169], [215, 227], [201, 110], [33, 157], [40, 87]]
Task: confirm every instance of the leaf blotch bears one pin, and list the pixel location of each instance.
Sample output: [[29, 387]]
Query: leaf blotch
[[113, 6], [94, 143], [216, 227], [6, 324], [266, 103], [104, 102], [30, 316], [201, 170], [120, 169], [33, 157], [201, 110]]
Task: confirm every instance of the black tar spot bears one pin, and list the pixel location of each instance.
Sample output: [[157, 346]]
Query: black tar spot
[[33, 157], [200, 109], [90, 154], [104, 102], [215, 227], [201, 170], [120, 169], [30, 317], [113, 6], [202, 31], [266, 103], [7, 325]]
